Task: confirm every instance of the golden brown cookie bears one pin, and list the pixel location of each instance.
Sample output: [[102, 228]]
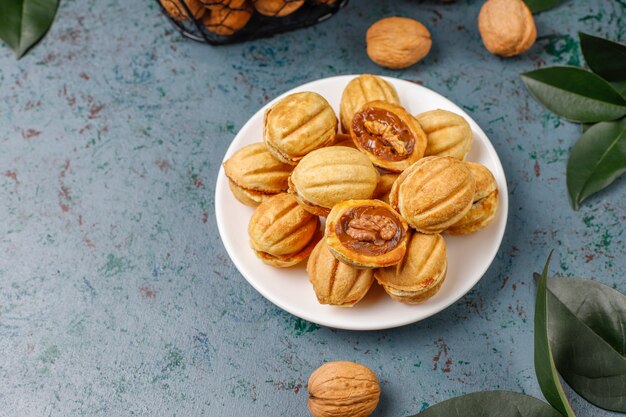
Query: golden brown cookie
[[175, 9], [478, 217], [366, 233], [277, 8], [281, 232], [331, 175], [297, 125], [485, 181], [361, 90], [334, 282], [390, 137], [383, 188], [448, 133], [254, 174], [227, 19], [342, 139], [420, 274], [434, 193]]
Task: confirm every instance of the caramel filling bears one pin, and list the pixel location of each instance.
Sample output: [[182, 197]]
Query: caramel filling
[[370, 230], [383, 134]]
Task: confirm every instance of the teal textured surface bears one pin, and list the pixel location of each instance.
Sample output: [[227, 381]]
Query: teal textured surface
[[117, 297]]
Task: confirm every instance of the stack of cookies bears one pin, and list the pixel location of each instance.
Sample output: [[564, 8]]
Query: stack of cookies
[[389, 185]]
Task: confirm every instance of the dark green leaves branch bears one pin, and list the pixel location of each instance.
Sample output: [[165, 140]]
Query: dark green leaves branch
[[599, 156], [580, 333], [23, 23]]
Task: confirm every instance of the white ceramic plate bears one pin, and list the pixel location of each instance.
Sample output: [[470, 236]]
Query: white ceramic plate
[[468, 256]]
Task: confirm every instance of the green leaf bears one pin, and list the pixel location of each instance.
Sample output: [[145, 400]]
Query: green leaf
[[596, 160], [586, 329], [620, 87], [585, 126], [491, 404], [537, 6], [575, 94], [606, 58], [544, 363], [24, 22]]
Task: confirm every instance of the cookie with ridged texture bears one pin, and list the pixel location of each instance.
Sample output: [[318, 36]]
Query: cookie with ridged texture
[[334, 282], [277, 8], [176, 10], [255, 174], [383, 188], [331, 175], [281, 232], [448, 133], [485, 181], [229, 18], [298, 124], [366, 233], [420, 274], [361, 90], [390, 137], [434, 193]]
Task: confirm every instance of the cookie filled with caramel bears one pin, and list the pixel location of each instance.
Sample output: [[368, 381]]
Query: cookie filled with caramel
[[366, 233], [390, 137]]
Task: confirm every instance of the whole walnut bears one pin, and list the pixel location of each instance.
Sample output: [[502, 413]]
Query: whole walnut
[[507, 27], [343, 389], [397, 42], [277, 8]]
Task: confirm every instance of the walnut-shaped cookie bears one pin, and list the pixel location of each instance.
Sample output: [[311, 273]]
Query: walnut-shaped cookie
[[277, 8], [281, 232], [420, 274], [175, 9], [366, 233], [343, 139], [485, 203], [334, 282], [361, 90], [383, 188], [434, 193], [297, 125], [448, 133], [228, 18], [331, 175], [254, 174], [390, 137]]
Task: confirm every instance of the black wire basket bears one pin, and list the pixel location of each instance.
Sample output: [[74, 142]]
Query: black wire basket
[[221, 22]]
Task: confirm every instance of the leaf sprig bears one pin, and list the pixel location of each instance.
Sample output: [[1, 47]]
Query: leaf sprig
[[23, 23], [580, 334], [597, 100]]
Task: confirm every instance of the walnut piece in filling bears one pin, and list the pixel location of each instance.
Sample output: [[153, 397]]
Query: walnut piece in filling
[[370, 230], [383, 134]]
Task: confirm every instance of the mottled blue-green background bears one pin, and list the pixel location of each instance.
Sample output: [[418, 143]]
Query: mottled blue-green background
[[116, 295]]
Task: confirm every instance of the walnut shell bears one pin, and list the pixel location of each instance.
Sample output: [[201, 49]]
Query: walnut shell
[[448, 133], [361, 90], [281, 232], [176, 10], [397, 42], [277, 8], [254, 172], [331, 175], [343, 389], [228, 19], [434, 193], [420, 274], [297, 125], [507, 27], [335, 282]]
